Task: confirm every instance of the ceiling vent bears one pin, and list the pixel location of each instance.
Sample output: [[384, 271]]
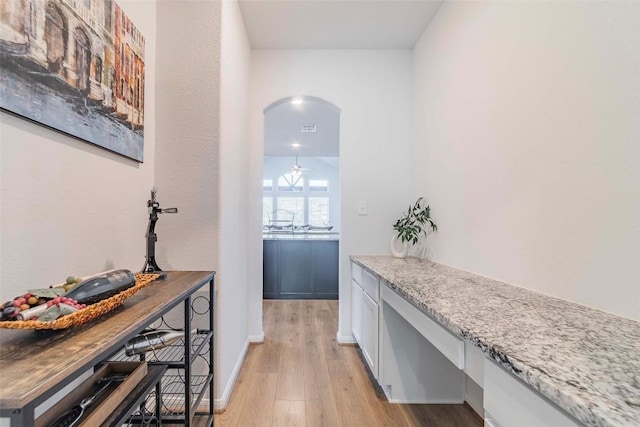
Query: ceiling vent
[[308, 128]]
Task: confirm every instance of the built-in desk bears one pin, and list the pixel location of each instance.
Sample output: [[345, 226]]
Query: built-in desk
[[543, 361], [34, 365]]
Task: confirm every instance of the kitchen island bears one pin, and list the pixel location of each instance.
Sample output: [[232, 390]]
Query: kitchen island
[[582, 360], [300, 265]]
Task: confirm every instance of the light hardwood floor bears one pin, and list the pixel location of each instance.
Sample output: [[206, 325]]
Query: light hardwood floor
[[301, 377]]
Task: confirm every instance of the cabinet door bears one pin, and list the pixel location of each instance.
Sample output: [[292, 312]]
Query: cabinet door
[[357, 295], [270, 274], [325, 269], [370, 333], [294, 268]]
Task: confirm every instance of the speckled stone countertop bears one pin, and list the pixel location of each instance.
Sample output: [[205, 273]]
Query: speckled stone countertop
[[584, 360]]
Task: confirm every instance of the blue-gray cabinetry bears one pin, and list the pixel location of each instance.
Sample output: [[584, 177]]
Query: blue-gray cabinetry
[[300, 269]]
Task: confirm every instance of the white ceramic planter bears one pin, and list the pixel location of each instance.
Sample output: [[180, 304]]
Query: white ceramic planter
[[399, 249]]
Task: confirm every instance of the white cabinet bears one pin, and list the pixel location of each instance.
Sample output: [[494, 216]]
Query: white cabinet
[[356, 273], [357, 295], [365, 291], [510, 403], [371, 285], [369, 343]]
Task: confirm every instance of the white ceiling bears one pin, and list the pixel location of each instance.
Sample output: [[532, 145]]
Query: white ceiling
[[336, 24], [326, 24], [283, 126]]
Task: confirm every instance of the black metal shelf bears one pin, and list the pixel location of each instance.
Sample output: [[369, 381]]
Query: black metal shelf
[[173, 392], [172, 405], [139, 395], [173, 355], [183, 384]]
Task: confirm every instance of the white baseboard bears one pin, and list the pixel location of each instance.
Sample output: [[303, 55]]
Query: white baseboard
[[422, 402], [345, 339], [220, 404], [256, 338], [388, 394]]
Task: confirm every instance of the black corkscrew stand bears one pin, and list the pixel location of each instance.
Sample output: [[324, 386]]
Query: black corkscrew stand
[[151, 266]]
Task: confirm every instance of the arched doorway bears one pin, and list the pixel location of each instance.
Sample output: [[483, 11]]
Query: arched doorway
[[83, 60], [301, 199], [56, 35]]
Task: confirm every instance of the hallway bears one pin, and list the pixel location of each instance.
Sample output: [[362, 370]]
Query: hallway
[[300, 376]]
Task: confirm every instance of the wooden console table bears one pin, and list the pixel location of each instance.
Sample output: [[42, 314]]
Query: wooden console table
[[34, 365]]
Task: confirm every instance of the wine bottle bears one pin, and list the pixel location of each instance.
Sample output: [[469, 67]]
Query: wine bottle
[[101, 286], [152, 341]]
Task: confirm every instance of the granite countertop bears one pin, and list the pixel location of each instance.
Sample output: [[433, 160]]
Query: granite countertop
[[582, 359]]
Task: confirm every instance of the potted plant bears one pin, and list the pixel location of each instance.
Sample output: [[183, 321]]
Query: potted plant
[[414, 222]]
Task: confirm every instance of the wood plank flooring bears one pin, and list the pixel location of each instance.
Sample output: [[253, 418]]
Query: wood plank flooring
[[301, 377]]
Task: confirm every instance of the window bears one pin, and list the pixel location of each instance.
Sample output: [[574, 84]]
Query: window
[[318, 185], [267, 209], [318, 211], [290, 182], [108, 5], [138, 92], [32, 20], [295, 205], [83, 59], [293, 198], [98, 69], [55, 32]]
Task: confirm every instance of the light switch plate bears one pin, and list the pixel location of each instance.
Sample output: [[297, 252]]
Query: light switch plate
[[362, 208]]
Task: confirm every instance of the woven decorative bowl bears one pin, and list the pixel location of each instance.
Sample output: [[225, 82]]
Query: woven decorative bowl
[[88, 313]]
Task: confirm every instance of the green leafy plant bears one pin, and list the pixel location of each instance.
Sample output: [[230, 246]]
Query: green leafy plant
[[414, 222]]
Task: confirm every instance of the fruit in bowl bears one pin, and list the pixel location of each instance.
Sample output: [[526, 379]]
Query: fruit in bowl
[[33, 304]]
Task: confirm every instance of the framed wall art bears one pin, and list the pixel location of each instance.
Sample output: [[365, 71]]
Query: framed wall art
[[76, 66]]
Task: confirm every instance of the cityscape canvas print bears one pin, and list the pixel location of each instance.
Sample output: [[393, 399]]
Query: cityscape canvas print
[[76, 66]]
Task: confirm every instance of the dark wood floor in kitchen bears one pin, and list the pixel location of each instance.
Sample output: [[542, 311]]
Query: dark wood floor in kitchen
[[300, 376]]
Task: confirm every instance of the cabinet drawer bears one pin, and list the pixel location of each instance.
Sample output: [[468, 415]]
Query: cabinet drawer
[[513, 404], [448, 344], [356, 273], [371, 285]]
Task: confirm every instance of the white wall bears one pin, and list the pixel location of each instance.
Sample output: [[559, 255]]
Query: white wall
[[186, 170], [189, 169], [68, 207], [527, 145], [373, 88], [235, 59]]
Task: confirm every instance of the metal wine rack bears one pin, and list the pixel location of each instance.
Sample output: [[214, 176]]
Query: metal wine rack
[[188, 365]]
